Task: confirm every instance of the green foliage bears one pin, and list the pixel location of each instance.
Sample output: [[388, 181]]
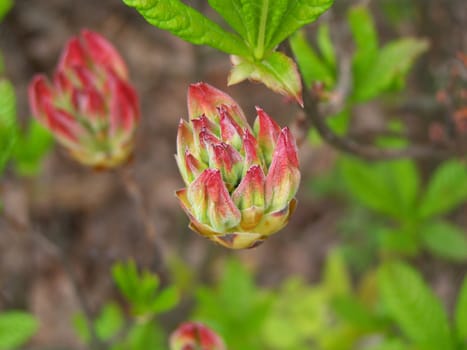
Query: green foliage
[[461, 313], [188, 24], [7, 121], [393, 190], [143, 336], [365, 37], [142, 331], [311, 65], [274, 71], [107, 324], [5, 7], [142, 290], [330, 315], [31, 147], [389, 68], [445, 240], [258, 27], [244, 307], [390, 188], [16, 328], [414, 307], [446, 190], [26, 148], [375, 70]]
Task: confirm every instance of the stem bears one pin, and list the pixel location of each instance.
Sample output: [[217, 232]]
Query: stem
[[259, 50], [54, 249], [351, 146], [136, 194]]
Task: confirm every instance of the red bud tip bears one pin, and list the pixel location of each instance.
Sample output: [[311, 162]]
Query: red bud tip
[[73, 55], [195, 335], [40, 93], [101, 52]]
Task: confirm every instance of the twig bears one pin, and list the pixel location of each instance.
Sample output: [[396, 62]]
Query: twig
[[350, 146], [161, 248], [54, 249]]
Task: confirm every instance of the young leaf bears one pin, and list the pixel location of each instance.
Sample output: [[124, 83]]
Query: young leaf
[[109, 322], [16, 327], [243, 17], [392, 344], [145, 336], [461, 312], [414, 307], [188, 24], [445, 240], [167, 299], [5, 6], [366, 40], [311, 66], [294, 15], [8, 127], [81, 327], [325, 45], [277, 71], [265, 23], [30, 149], [390, 65], [446, 190], [336, 278], [399, 240], [388, 187]]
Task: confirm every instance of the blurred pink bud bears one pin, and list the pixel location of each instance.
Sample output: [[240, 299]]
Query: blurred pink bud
[[195, 336], [240, 182], [90, 106]]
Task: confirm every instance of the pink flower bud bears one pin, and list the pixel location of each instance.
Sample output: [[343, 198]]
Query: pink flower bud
[[240, 182], [90, 106], [195, 336]]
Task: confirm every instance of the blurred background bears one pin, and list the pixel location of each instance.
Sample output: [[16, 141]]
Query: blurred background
[[96, 220]]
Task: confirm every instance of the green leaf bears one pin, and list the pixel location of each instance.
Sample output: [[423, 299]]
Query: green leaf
[[366, 40], [277, 71], [326, 46], [354, 312], [245, 17], [5, 6], [166, 300], [188, 24], [389, 67], [265, 23], [311, 66], [16, 327], [244, 307], [126, 278], [461, 312], [80, 324], [445, 240], [401, 241], [109, 322], [391, 344], [336, 279], [145, 336], [301, 310], [295, 14], [390, 187], [141, 289], [8, 127], [414, 307], [30, 149], [2, 62], [446, 190]]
